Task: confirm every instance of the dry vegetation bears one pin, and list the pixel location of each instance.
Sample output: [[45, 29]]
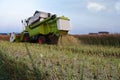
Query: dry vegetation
[[106, 40], [69, 60], [4, 37], [68, 40]]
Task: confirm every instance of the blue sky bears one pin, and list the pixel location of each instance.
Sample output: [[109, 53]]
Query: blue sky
[[85, 15]]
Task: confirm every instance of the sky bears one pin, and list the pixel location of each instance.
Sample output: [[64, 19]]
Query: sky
[[86, 16]]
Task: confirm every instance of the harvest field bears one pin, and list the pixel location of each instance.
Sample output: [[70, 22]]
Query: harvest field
[[4, 37], [28, 61]]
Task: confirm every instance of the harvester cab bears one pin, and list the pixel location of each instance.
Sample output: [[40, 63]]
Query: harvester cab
[[44, 27]]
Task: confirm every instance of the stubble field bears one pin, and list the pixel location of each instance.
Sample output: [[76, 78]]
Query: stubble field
[[65, 61]]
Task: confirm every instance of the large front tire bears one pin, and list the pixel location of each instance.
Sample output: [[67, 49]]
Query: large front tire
[[25, 38]]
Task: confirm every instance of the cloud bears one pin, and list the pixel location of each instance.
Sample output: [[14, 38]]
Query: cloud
[[96, 6]]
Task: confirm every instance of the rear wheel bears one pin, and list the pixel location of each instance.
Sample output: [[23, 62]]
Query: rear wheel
[[53, 39]]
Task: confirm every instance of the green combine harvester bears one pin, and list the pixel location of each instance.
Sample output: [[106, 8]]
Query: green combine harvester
[[42, 28]]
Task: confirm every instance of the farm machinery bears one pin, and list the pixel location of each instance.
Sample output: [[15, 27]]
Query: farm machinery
[[42, 28]]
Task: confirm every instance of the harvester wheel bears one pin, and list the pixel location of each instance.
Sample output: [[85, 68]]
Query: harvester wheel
[[53, 39], [25, 38], [41, 39]]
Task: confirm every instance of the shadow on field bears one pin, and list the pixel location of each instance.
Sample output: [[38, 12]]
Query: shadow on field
[[10, 69]]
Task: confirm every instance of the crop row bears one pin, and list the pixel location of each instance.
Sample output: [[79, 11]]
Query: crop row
[[108, 39]]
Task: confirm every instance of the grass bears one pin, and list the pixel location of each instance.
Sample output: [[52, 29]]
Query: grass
[[58, 62]]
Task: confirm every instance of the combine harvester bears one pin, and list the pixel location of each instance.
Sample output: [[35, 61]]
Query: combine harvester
[[42, 28]]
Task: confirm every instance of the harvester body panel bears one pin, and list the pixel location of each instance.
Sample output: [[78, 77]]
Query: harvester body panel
[[44, 28]]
